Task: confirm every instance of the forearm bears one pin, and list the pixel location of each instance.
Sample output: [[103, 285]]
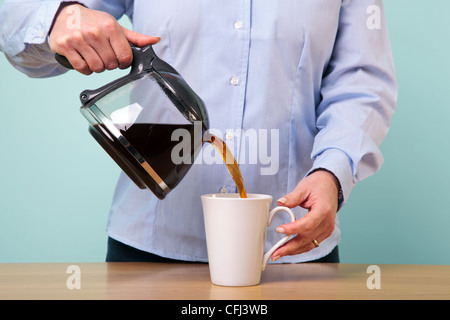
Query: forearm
[[358, 99], [26, 25]]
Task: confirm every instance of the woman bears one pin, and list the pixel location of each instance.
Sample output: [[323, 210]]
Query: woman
[[313, 70]]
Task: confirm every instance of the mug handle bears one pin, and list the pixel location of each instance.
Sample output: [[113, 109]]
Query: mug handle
[[267, 255]]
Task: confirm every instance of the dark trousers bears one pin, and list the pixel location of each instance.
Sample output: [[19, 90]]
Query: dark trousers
[[120, 252]]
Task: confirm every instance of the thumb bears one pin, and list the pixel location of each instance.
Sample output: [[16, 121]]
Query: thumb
[[139, 39], [294, 198]]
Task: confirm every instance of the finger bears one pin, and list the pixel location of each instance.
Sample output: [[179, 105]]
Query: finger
[[73, 47], [120, 44], [304, 242], [93, 60], [78, 62], [121, 48], [98, 39], [293, 246], [139, 39], [294, 198], [298, 244], [106, 54], [304, 225]]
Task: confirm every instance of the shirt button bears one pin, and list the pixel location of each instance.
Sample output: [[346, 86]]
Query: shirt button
[[238, 24], [229, 135], [234, 81], [223, 190]]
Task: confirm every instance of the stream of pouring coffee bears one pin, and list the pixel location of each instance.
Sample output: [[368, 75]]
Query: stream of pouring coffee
[[230, 162]]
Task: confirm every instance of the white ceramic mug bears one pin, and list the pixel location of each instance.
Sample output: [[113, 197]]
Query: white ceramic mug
[[235, 236]]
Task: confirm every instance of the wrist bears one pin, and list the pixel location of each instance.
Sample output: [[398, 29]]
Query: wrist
[[340, 196]]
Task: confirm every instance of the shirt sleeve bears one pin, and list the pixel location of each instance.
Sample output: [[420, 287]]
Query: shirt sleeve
[[359, 93], [25, 27], [23, 34]]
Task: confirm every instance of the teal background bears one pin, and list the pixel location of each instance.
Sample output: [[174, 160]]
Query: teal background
[[56, 183]]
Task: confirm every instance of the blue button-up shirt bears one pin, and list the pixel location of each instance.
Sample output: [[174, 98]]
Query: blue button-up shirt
[[290, 85]]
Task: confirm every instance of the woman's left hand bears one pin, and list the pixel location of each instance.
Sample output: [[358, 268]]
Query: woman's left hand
[[318, 193]]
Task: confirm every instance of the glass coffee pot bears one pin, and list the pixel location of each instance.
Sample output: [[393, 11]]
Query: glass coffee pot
[[134, 117]]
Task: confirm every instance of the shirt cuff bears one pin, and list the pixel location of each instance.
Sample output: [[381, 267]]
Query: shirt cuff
[[38, 30], [339, 164]]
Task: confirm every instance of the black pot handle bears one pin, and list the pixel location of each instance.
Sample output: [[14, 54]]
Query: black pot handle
[[142, 58]]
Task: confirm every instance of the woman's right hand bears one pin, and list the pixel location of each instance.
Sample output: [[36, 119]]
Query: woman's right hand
[[93, 40]]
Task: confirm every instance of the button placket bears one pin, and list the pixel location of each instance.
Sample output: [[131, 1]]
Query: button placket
[[238, 77]]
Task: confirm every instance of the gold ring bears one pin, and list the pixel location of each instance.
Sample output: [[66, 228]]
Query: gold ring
[[316, 244]]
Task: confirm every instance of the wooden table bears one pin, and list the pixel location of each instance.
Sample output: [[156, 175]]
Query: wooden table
[[191, 281]]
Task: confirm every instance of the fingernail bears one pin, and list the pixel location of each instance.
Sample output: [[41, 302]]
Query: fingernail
[[275, 258], [282, 200], [281, 230]]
